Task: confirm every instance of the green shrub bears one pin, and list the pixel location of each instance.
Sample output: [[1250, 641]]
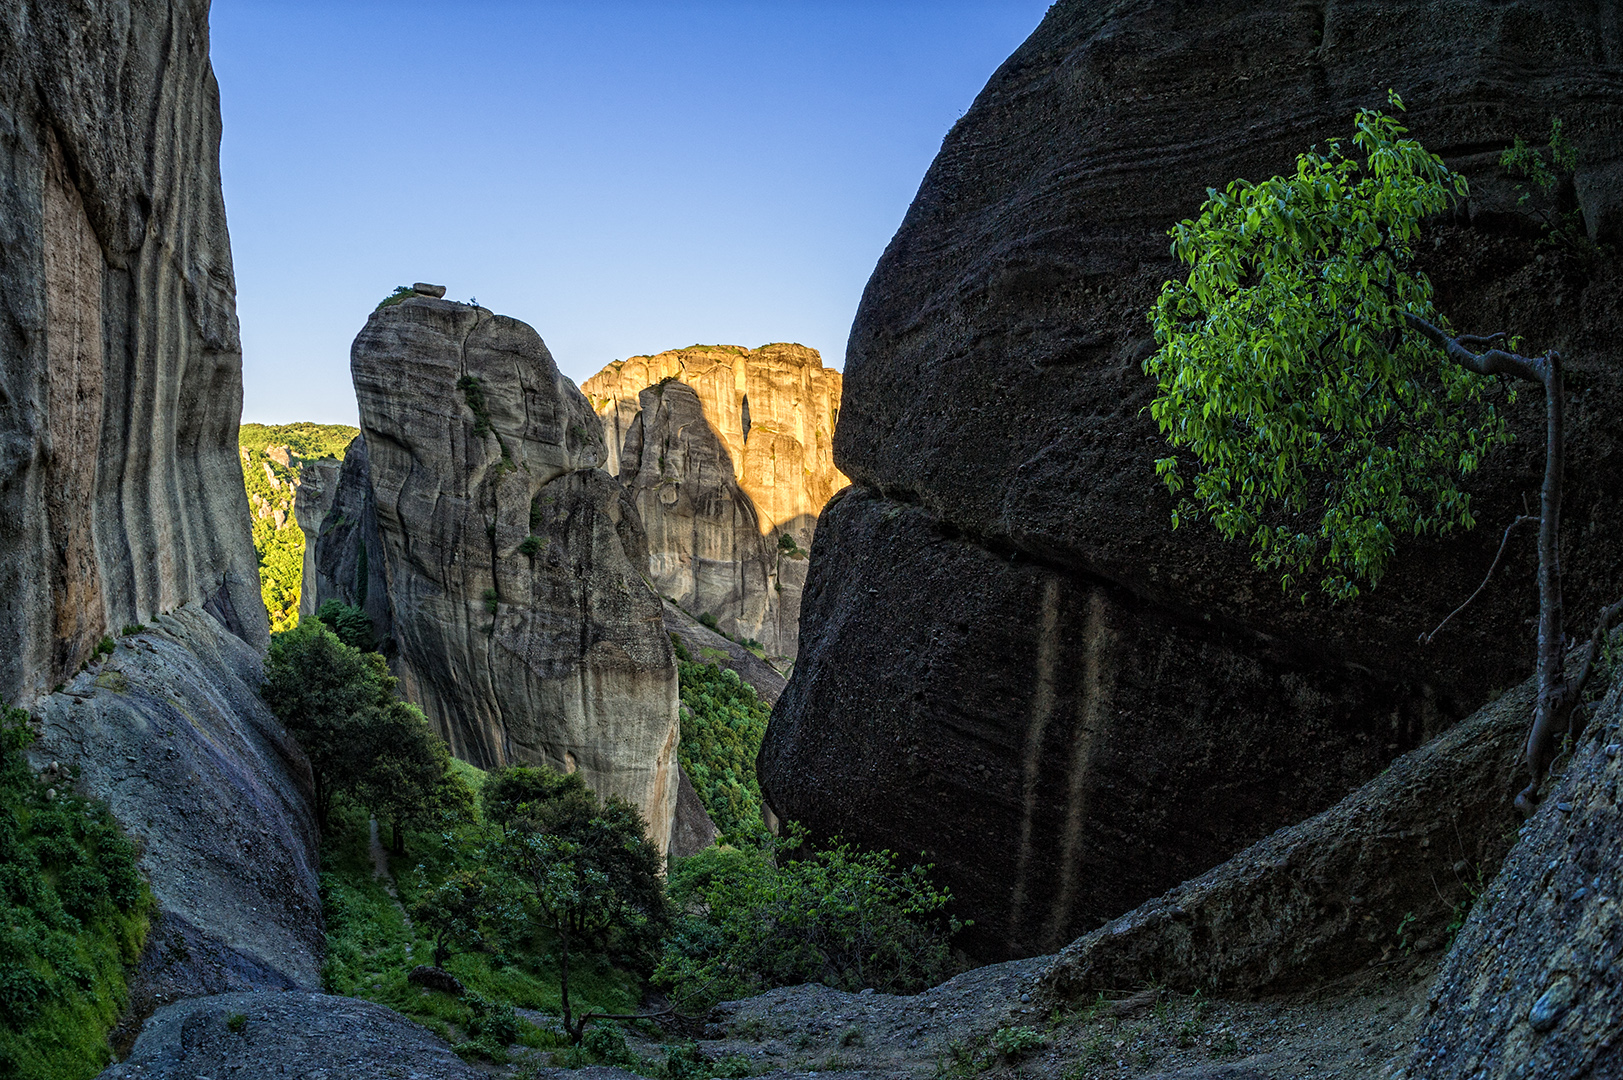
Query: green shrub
[[492, 600], [707, 619], [846, 918], [73, 914], [401, 292], [1014, 1042]]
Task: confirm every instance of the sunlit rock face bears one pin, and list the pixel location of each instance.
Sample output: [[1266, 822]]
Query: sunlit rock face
[[515, 609], [727, 452], [1008, 658], [120, 366]]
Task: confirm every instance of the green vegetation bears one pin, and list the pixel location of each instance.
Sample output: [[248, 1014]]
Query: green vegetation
[[73, 914], [362, 742], [1331, 411], [1549, 169], [750, 920], [722, 727], [401, 292], [1323, 429], [270, 485], [352, 625]]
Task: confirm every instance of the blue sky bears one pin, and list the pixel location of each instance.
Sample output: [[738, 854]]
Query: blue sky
[[624, 176]]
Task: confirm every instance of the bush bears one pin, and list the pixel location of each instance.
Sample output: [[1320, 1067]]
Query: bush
[[72, 916], [842, 917]]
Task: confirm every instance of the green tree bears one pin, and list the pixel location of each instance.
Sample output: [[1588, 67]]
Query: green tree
[[591, 873], [352, 625], [455, 910], [400, 770], [319, 687], [1304, 367]]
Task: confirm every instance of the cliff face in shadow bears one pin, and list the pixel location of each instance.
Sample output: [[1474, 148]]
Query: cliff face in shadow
[[1115, 706], [503, 569], [120, 366], [727, 452], [121, 493]]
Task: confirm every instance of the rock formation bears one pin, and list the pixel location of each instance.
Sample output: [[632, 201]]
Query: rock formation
[[507, 566], [119, 357], [1116, 707], [312, 501], [1532, 986], [727, 453], [1375, 878], [121, 490], [287, 1035], [169, 730]]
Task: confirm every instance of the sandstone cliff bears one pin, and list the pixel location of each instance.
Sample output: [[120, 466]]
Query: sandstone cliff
[[503, 568], [727, 452], [121, 492], [120, 366], [1116, 707]]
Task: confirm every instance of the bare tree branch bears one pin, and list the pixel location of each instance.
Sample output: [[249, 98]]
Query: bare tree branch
[[1523, 519]]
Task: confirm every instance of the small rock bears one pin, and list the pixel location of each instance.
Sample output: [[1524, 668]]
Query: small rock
[[1612, 749], [1025, 999], [1552, 1005], [1564, 807], [422, 288], [435, 978], [50, 793]]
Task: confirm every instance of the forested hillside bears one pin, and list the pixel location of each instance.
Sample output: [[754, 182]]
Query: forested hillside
[[271, 458]]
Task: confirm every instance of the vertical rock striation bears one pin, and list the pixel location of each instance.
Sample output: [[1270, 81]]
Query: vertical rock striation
[[120, 367], [727, 452], [1112, 707], [507, 566], [121, 492]]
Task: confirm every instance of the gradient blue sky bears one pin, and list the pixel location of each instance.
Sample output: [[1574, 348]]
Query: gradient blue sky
[[624, 176]]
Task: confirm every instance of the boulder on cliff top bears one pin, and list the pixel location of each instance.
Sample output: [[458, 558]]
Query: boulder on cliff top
[[120, 484], [508, 567], [1111, 706], [729, 453]]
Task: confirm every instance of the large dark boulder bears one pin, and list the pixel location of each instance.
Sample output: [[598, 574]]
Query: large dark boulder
[[1107, 706]]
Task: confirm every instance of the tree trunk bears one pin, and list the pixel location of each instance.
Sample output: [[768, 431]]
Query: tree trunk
[[563, 980], [1552, 705], [397, 845]]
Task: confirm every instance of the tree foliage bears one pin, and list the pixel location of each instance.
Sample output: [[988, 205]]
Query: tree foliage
[[340, 703], [723, 723], [1322, 431], [591, 872], [352, 625], [752, 919]]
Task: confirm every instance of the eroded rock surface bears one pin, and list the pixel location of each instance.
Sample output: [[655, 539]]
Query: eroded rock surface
[[318, 488], [1378, 877], [169, 730], [510, 566], [1004, 620], [728, 453], [287, 1034], [120, 362], [1534, 983]]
